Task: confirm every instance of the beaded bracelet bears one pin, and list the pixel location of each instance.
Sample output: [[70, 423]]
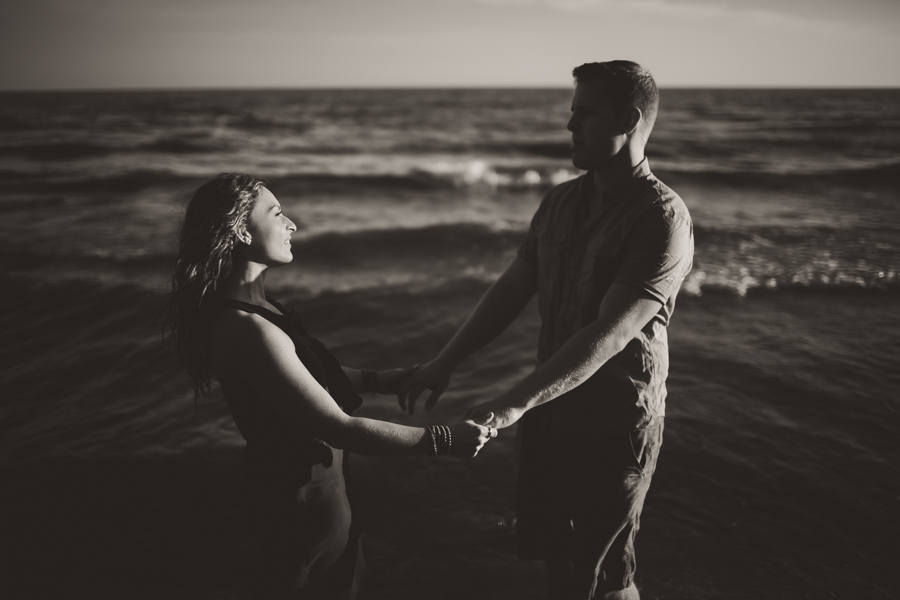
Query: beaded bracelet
[[449, 439], [434, 444], [443, 445], [369, 381], [445, 432], [440, 439]]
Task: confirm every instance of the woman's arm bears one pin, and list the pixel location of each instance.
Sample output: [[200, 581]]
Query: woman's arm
[[263, 358]]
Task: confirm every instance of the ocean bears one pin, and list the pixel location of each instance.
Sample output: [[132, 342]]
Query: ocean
[[779, 473]]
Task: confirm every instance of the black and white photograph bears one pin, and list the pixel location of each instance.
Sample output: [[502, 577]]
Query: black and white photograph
[[450, 299]]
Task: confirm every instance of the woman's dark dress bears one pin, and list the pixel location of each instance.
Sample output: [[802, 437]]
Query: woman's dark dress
[[296, 500]]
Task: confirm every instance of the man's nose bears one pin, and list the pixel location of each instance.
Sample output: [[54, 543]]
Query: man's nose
[[571, 125]]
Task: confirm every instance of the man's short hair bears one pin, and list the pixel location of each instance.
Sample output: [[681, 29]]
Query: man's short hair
[[630, 83]]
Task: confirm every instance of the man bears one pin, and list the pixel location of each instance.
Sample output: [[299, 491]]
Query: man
[[606, 254]]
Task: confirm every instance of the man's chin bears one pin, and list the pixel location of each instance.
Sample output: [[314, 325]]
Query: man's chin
[[595, 163], [579, 162]]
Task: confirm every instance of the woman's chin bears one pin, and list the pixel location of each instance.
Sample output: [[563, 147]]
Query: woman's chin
[[279, 261]]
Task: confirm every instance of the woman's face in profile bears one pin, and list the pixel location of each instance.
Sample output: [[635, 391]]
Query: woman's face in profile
[[270, 231]]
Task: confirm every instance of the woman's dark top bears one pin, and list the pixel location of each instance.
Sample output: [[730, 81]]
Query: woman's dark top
[[295, 494]]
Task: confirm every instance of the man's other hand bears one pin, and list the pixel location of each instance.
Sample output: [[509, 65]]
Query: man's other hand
[[390, 381], [434, 376]]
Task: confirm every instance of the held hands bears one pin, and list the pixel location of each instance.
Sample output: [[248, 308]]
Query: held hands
[[434, 376], [391, 380], [494, 414], [468, 437]]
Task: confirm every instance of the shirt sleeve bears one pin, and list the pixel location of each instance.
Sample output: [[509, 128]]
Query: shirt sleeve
[[659, 254]]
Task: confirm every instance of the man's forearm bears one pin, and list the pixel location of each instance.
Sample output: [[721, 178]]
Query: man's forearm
[[499, 307], [495, 311], [572, 365], [620, 321]]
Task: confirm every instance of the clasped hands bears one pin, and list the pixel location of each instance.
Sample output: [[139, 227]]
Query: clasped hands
[[435, 376], [469, 435]]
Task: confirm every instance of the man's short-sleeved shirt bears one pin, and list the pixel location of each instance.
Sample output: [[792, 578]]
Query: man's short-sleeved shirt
[[641, 237]]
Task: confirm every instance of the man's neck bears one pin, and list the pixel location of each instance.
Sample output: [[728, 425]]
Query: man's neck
[[618, 166]]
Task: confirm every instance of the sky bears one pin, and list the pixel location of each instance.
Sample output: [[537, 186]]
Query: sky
[[124, 44]]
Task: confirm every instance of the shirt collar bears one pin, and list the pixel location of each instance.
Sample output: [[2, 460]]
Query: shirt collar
[[619, 186]]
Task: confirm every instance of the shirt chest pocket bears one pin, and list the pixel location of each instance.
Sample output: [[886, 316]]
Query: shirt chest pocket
[[552, 245], [604, 265], [551, 250]]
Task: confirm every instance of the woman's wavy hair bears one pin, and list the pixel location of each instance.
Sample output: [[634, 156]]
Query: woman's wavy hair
[[215, 216]]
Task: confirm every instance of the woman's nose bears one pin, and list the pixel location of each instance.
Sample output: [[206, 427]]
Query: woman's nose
[[290, 225]]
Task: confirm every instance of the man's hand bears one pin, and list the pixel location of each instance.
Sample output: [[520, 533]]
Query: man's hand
[[494, 414], [434, 376], [389, 381]]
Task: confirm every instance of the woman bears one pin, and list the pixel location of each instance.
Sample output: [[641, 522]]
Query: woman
[[290, 398]]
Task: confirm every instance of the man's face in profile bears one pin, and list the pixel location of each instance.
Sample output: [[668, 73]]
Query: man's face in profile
[[598, 134]]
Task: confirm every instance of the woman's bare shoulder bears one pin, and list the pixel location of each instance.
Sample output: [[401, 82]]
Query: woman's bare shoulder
[[235, 332]]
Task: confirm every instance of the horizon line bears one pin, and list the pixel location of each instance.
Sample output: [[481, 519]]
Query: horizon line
[[424, 88]]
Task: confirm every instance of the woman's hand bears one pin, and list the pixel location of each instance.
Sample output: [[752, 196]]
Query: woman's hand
[[468, 437], [389, 381]]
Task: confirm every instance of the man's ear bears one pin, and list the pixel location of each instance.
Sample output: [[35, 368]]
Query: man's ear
[[632, 120]]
